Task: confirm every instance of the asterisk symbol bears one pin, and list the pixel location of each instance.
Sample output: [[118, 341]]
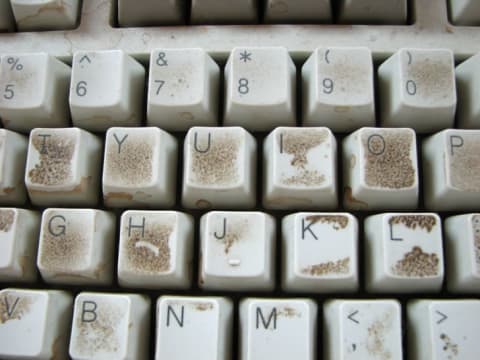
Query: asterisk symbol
[[245, 56]]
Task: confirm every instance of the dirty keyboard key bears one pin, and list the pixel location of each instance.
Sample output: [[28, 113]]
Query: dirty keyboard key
[[76, 246], [404, 253], [219, 168], [35, 15], [63, 167], [418, 90], [34, 91], [150, 12], [300, 169], [7, 22], [155, 250], [301, 11], [362, 330], [372, 11], [183, 89], [464, 12], [110, 327], [451, 170], [320, 252], [13, 154], [380, 169], [194, 328], [266, 324], [106, 90], [338, 89], [224, 12], [462, 248], [468, 81], [139, 168], [443, 329], [18, 244], [237, 251], [34, 324], [260, 88]]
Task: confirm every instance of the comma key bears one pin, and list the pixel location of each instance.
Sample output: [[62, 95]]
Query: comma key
[[451, 165]]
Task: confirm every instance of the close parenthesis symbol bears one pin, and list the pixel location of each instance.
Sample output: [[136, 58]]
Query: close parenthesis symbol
[[409, 57]]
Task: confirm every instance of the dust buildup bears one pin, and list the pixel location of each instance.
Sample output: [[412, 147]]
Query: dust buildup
[[338, 267], [99, 335], [55, 159], [377, 337], [337, 221], [417, 263], [476, 234], [235, 232], [388, 162], [289, 312], [65, 253], [146, 259], [14, 306], [449, 346], [434, 79], [7, 218], [424, 222], [298, 143], [218, 165], [132, 165], [465, 165], [203, 306]]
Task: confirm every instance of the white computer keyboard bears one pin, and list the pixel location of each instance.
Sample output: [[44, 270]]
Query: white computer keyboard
[[281, 179]]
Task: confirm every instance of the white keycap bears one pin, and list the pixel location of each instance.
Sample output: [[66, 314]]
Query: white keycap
[[338, 89], [139, 167], [76, 246], [300, 169], [451, 170], [278, 329], [418, 90], [34, 91], [320, 252], [362, 330], [7, 22], [464, 12], [34, 323], [150, 12], [155, 249], [106, 90], [193, 328], [110, 326], [183, 89], [380, 169], [63, 167], [462, 249], [404, 253], [372, 11], [443, 329], [219, 168], [468, 81], [302, 11], [18, 244], [237, 251], [224, 12], [260, 88], [13, 154], [34, 15]]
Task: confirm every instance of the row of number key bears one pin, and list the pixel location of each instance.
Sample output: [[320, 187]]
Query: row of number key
[[418, 89]]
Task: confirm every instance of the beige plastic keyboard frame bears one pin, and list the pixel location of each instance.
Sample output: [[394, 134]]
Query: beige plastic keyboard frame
[[430, 29]]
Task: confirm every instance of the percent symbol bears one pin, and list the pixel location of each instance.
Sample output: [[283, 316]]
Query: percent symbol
[[15, 65]]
